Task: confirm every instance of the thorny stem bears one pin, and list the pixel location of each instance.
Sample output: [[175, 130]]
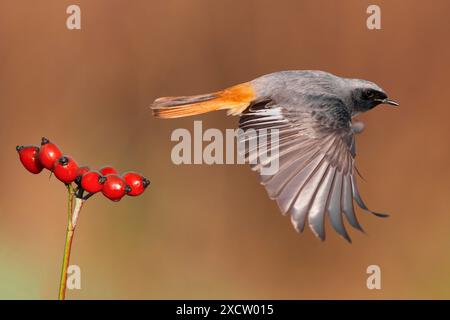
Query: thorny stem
[[73, 210]]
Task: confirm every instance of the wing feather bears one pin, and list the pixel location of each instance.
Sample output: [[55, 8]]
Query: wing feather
[[347, 203], [335, 208], [316, 216], [290, 190], [315, 177]]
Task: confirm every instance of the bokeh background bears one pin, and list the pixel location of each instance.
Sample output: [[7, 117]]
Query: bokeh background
[[210, 231]]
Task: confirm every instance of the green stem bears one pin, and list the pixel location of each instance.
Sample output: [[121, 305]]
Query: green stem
[[65, 264], [72, 217]]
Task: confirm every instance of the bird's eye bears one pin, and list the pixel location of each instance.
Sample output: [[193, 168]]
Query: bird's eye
[[369, 94]]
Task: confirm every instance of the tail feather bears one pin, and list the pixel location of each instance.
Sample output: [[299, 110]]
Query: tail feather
[[235, 99]]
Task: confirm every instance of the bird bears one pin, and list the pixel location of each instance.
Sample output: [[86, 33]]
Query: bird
[[313, 112]]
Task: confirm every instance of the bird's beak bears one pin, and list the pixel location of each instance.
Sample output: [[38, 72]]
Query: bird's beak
[[388, 101]]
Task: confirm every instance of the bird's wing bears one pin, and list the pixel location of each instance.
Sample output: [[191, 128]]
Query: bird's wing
[[315, 154]]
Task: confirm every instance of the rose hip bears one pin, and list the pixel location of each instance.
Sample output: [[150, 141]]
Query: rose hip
[[48, 154], [92, 181], [115, 187], [108, 170], [65, 169], [29, 156], [136, 182]]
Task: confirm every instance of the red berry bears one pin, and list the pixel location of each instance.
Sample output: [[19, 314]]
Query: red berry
[[29, 157], [136, 182], [115, 187], [65, 169], [92, 181], [81, 170], [48, 154], [108, 170]]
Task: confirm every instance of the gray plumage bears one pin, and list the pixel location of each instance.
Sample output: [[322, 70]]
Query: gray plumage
[[312, 111]]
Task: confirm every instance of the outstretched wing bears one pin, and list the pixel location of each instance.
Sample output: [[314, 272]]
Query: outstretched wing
[[315, 154]]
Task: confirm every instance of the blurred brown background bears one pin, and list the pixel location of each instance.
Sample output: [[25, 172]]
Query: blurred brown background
[[211, 231]]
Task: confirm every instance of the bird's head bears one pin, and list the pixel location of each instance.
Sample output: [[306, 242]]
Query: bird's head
[[366, 95]]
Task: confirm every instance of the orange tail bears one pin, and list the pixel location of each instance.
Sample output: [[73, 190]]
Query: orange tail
[[235, 99]]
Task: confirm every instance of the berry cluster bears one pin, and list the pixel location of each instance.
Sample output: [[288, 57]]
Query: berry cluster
[[107, 180]]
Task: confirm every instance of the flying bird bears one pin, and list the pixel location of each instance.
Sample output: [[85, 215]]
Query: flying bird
[[313, 112]]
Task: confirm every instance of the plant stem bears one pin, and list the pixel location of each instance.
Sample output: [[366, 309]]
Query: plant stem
[[65, 264], [72, 217]]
